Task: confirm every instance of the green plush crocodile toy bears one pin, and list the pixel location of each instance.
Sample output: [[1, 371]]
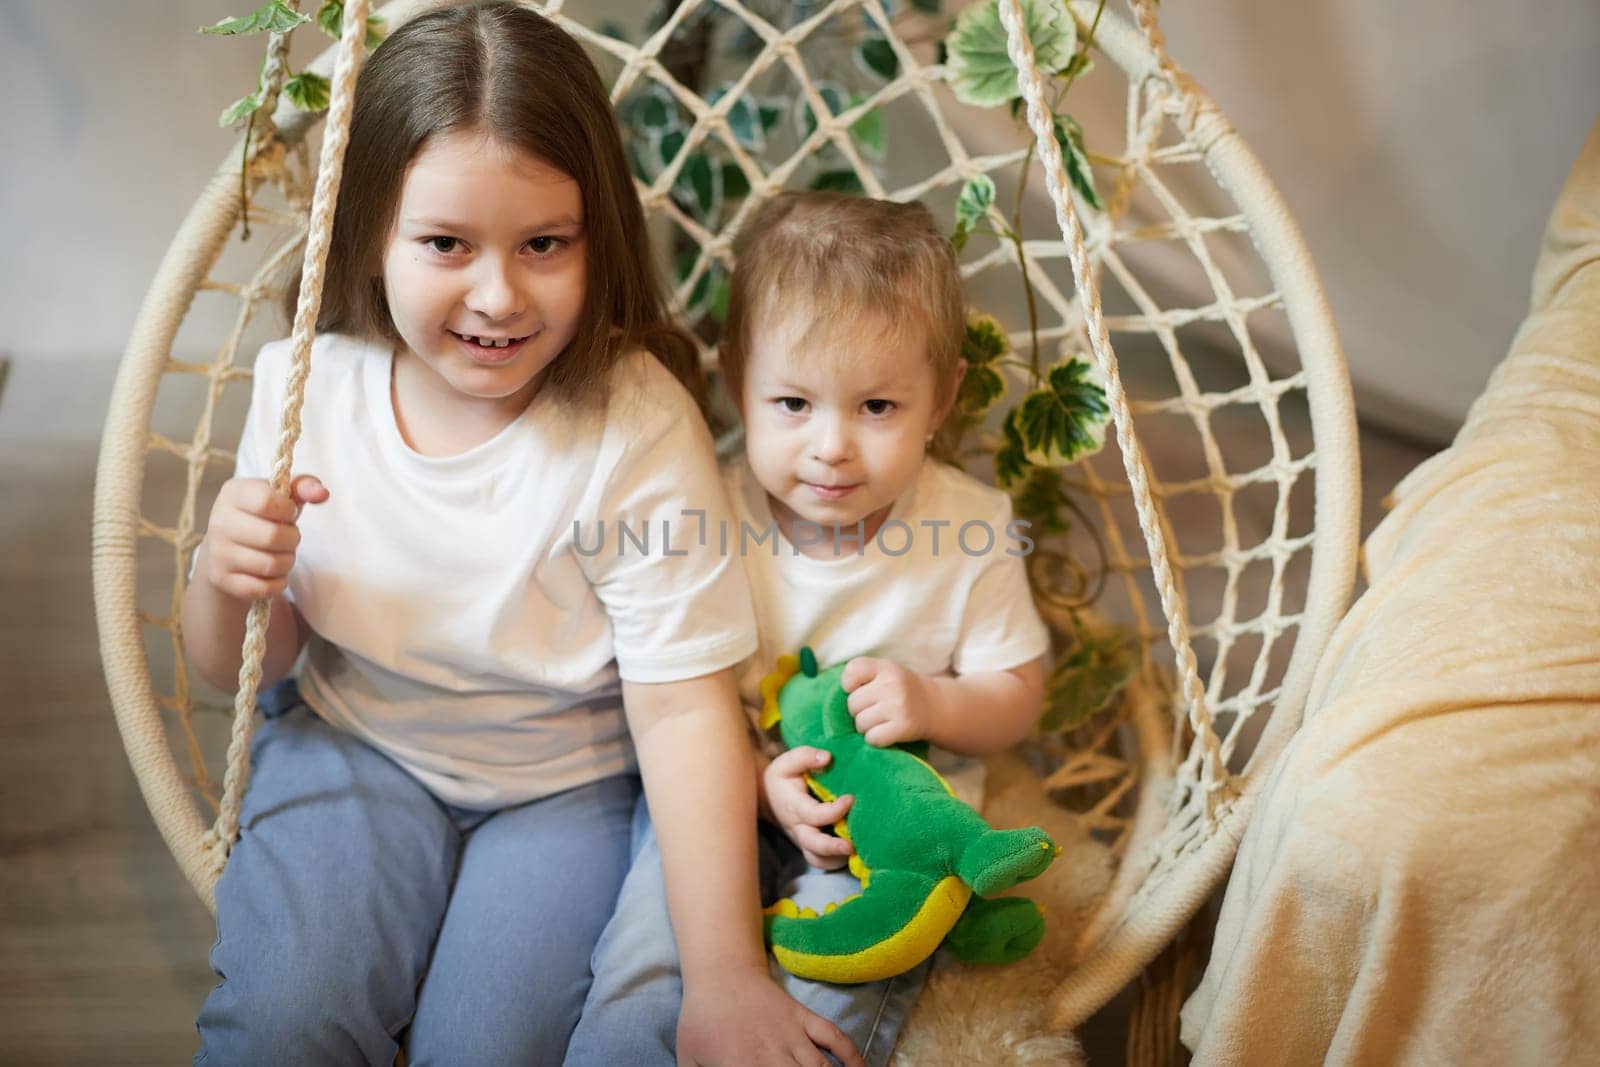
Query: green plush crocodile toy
[[925, 858]]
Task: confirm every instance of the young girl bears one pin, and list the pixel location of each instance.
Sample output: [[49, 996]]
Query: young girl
[[440, 812]]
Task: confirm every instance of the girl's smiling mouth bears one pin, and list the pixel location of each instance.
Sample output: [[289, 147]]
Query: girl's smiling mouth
[[485, 349]]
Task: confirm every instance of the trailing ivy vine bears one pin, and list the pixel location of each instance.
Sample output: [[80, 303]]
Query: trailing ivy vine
[[306, 90]]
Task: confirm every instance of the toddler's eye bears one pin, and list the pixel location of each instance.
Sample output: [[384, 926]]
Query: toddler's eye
[[792, 405], [879, 407], [442, 245], [543, 246]]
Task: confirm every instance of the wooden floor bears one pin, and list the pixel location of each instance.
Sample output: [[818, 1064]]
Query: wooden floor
[[102, 944]]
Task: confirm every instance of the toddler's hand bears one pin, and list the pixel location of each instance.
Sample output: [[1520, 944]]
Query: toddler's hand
[[890, 703], [745, 1020], [251, 539], [801, 815]]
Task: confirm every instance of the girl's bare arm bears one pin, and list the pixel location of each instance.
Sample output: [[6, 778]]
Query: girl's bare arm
[[698, 777]]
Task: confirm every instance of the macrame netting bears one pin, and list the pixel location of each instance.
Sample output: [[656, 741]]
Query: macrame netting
[[1194, 273]]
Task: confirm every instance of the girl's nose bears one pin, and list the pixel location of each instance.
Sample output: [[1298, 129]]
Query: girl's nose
[[831, 444], [494, 294]]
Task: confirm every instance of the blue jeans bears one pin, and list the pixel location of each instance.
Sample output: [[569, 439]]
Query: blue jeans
[[631, 1016], [356, 906]]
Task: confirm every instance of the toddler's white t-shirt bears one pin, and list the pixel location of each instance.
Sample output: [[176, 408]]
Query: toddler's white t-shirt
[[941, 589], [471, 615]]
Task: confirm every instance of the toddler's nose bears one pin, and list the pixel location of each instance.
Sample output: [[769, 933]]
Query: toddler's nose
[[831, 444]]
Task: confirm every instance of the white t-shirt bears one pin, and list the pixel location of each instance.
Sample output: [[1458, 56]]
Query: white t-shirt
[[470, 615], [942, 589]]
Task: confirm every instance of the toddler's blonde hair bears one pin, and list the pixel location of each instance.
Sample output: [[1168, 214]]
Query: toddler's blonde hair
[[831, 260]]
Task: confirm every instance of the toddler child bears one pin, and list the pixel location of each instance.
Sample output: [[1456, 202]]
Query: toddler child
[[842, 350]]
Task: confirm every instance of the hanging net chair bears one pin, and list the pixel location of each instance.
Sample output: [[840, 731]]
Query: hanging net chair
[[1224, 504]]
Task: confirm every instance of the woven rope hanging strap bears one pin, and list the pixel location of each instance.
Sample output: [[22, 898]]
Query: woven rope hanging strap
[[219, 839], [1213, 774]]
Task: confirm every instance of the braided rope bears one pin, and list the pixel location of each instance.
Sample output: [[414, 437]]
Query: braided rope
[[1144, 13], [273, 74], [219, 839], [1214, 773]]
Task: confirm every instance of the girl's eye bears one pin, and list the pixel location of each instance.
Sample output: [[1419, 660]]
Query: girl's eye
[[543, 246], [792, 405], [879, 407], [443, 245]]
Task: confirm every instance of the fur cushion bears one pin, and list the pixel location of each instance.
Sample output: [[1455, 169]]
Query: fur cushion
[[996, 1015]]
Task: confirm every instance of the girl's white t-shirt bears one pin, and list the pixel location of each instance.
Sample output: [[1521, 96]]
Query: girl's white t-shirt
[[942, 589], [471, 616]]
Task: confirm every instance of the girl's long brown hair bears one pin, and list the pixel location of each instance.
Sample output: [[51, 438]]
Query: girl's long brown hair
[[516, 76]]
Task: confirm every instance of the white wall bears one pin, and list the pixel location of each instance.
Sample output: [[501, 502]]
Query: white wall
[[1420, 145], [109, 131]]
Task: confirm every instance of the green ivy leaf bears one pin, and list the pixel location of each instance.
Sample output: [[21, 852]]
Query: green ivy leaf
[[971, 207], [669, 145], [734, 182], [1065, 419], [975, 200], [980, 388], [927, 7], [308, 92], [985, 340], [1010, 460], [273, 17], [240, 109], [841, 180], [869, 132], [744, 119], [698, 187], [1085, 681], [656, 112], [1039, 500], [652, 153], [833, 98], [1069, 135], [980, 67], [707, 290], [330, 20], [771, 115], [876, 56], [748, 118]]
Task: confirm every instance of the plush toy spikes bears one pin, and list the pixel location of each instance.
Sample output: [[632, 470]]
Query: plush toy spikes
[[923, 856], [786, 668]]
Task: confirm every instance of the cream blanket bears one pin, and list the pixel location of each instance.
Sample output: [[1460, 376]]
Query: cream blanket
[[1421, 880]]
